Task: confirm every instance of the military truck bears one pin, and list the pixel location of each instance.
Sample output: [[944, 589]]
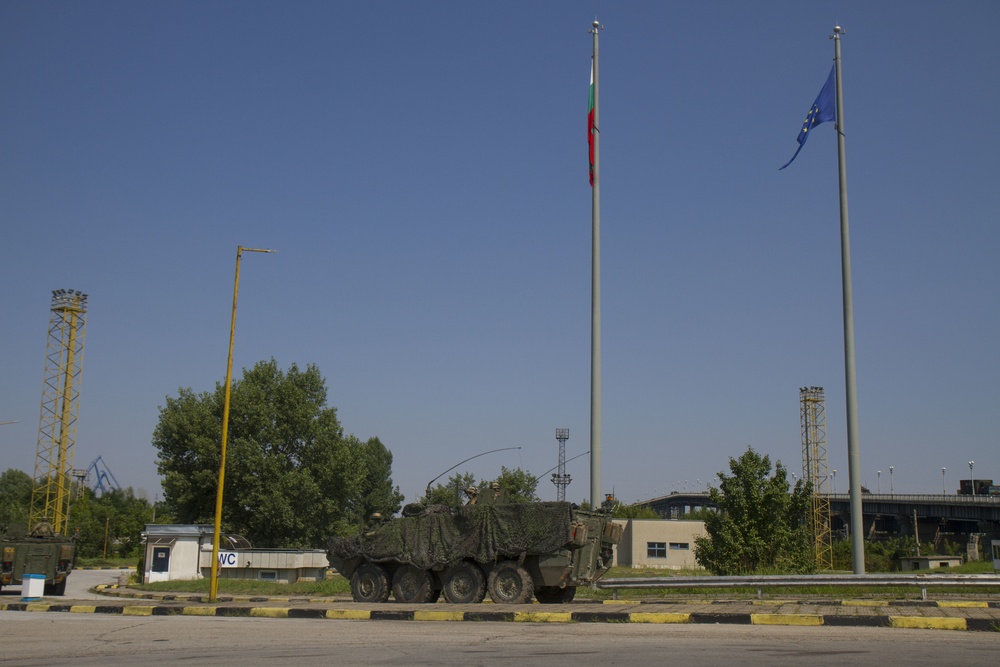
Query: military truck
[[515, 551], [40, 551]]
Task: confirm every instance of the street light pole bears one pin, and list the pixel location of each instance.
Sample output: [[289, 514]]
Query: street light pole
[[973, 480], [944, 487], [891, 490], [214, 585], [878, 474]]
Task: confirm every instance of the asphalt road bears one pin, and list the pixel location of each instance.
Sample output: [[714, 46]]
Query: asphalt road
[[77, 586], [97, 639]]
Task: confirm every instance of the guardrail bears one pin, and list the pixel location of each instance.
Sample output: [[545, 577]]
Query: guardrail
[[760, 582]]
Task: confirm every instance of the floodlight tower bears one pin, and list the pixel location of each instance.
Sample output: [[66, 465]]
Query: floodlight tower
[[815, 471], [560, 478], [60, 403], [80, 477]]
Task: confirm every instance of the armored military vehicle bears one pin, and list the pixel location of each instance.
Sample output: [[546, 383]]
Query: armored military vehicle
[[40, 551], [515, 551]]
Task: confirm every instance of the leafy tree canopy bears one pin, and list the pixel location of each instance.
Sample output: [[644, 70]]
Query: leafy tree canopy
[[760, 526], [15, 497], [293, 477], [109, 524], [635, 511], [519, 487]]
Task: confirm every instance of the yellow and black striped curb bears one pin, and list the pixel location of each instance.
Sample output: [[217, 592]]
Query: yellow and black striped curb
[[876, 621], [114, 590]]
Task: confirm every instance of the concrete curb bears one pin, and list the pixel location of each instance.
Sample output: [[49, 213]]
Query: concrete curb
[[114, 590], [527, 616]]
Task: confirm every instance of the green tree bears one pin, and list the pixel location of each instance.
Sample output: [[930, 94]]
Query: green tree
[[15, 497], [518, 486], [114, 520], [451, 493], [377, 491], [880, 555], [760, 526], [634, 511], [292, 476], [698, 514]]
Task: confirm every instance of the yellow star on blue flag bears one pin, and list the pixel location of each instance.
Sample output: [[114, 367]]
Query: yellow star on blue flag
[[822, 110]]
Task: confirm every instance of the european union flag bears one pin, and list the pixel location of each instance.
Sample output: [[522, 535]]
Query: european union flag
[[822, 110]]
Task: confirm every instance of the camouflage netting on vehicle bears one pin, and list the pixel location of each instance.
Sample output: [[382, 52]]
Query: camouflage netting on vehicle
[[443, 536]]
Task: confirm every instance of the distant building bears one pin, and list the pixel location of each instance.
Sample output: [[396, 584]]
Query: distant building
[[658, 543], [984, 487], [185, 552], [910, 563]]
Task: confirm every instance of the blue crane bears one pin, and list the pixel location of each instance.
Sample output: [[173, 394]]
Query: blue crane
[[104, 479]]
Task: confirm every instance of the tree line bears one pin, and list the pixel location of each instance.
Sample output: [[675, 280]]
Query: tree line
[[294, 478], [106, 525]]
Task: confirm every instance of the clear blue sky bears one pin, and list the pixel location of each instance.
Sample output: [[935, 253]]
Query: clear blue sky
[[422, 169]]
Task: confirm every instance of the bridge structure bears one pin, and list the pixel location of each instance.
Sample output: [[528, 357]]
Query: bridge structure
[[929, 517]]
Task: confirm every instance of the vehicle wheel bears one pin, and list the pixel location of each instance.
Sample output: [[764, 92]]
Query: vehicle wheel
[[370, 583], [510, 584], [55, 589], [464, 584], [413, 585], [555, 595]]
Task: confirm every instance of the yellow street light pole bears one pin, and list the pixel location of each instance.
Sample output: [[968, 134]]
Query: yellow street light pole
[[214, 588]]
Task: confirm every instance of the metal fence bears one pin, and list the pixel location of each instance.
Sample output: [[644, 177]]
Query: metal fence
[[922, 581]]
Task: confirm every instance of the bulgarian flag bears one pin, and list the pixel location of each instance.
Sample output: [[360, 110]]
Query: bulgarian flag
[[590, 124]]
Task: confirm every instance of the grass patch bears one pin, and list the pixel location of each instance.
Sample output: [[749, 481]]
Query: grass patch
[[335, 585], [975, 567]]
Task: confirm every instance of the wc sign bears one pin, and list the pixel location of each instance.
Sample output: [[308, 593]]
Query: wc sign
[[228, 559]]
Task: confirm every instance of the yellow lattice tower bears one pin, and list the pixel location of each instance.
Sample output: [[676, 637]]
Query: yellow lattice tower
[[60, 403], [815, 470]]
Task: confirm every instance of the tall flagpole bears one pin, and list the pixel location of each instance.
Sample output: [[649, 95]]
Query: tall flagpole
[[595, 298], [853, 445]]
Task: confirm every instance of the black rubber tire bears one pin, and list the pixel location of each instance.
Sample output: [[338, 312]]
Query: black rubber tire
[[510, 583], [370, 583], [55, 589], [412, 585], [464, 584], [555, 595]]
